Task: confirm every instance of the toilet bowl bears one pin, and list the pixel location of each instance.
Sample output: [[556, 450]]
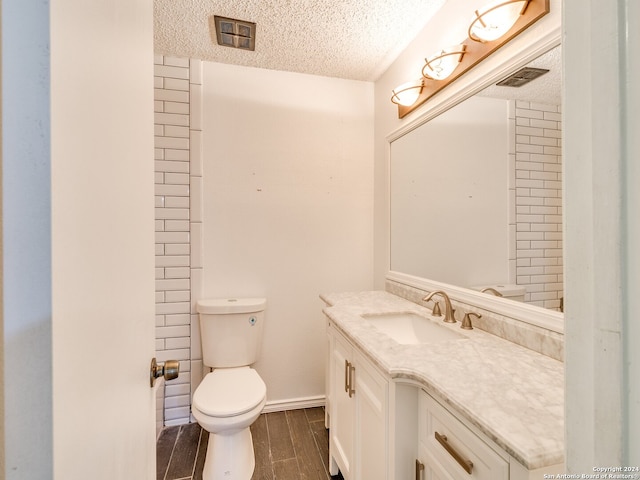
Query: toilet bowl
[[232, 396], [225, 404]]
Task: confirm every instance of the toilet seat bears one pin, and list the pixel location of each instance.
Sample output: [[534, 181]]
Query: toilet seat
[[227, 392]]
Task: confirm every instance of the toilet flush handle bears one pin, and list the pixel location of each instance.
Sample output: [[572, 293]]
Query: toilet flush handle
[[169, 370]]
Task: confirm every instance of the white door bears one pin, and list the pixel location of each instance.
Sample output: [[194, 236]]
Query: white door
[[88, 409], [103, 264]]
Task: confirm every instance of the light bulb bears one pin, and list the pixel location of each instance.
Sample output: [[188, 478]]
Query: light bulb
[[407, 94], [496, 19], [444, 63]]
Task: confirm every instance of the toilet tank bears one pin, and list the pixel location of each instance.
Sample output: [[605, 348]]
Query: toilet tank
[[231, 330], [510, 291]]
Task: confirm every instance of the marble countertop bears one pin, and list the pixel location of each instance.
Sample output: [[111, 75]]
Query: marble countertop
[[515, 396]]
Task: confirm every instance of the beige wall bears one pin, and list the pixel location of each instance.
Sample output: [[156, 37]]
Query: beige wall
[[287, 207]]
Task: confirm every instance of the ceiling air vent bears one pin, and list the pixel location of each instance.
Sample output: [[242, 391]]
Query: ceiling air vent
[[522, 77], [233, 33]]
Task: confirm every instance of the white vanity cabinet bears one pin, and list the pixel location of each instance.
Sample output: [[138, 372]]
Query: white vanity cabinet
[[358, 398], [392, 417]]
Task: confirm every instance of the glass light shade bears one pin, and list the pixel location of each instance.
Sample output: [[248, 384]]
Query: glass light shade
[[444, 63], [496, 19], [407, 94]]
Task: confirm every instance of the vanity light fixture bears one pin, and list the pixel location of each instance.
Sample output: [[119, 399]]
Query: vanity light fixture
[[492, 27], [407, 94], [443, 63], [496, 19]]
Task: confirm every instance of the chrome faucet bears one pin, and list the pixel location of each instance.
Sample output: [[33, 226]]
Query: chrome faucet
[[449, 312], [466, 322]]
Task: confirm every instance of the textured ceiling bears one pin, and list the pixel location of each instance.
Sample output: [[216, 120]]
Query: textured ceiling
[[353, 39]]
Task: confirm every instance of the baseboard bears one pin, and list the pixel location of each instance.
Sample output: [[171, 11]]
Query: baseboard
[[294, 404], [272, 406], [179, 421]]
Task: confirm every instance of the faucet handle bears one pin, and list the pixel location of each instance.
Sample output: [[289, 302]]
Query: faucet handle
[[466, 322], [436, 312]]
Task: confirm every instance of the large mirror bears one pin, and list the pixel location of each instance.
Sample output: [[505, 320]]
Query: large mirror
[[476, 192]]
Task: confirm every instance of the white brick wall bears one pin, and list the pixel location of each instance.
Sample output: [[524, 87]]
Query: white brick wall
[[536, 188], [176, 183]]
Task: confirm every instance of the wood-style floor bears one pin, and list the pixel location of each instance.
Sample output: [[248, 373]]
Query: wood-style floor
[[291, 445]]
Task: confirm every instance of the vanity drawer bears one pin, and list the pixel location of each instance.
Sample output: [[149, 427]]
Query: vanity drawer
[[447, 445]]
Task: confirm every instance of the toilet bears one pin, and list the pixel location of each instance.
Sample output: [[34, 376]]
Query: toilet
[[509, 291], [231, 397]]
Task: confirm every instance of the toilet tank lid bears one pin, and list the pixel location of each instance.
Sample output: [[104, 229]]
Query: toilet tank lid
[[231, 305], [507, 290]]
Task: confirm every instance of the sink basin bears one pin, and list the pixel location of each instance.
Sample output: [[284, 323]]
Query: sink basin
[[409, 328]]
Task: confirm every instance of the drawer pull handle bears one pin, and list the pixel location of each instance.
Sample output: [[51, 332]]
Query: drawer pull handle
[[349, 374], [352, 383], [346, 375], [419, 469], [466, 464]]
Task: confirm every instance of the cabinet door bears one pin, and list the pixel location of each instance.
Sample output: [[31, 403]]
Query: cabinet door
[[430, 470], [433, 472], [341, 433], [370, 396]]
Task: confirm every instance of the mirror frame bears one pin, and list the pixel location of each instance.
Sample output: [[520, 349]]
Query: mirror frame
[[531, 314]]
